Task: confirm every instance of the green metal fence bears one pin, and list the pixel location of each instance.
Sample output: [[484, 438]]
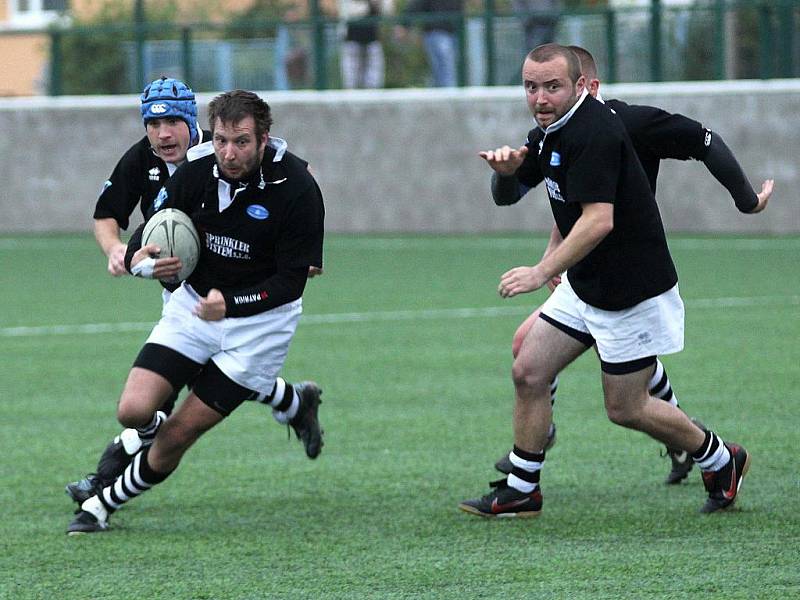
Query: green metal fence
[[709, 39]]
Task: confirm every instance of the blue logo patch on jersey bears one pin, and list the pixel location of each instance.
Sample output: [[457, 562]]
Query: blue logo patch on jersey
[[555, 159], [106, 185], [160, 199], [257, 212]]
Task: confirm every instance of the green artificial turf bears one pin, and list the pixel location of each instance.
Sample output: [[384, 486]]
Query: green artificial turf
[[411, 344]]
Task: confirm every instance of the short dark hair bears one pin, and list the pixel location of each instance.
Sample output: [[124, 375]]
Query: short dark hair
[[233, 106], [588, 65], [547, 52]]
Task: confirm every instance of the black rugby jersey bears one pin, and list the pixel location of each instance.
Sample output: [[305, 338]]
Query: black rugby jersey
[[257, 250], [658, 135], [591, 159], [136, 179]]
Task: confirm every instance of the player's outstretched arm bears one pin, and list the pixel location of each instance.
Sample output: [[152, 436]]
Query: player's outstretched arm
[[722, 164]]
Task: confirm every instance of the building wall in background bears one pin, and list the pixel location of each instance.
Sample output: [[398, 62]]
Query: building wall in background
[[406, 160], [23, 60]]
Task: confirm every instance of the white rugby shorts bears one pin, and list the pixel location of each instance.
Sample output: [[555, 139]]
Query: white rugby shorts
[[249, 350], [651, 328]]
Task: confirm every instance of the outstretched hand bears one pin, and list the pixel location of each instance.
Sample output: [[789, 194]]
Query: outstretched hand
[[505, 160], [763, 196]]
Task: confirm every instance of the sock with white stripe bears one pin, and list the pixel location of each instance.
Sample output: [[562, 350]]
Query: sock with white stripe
[[283, 399], [712, 454], [524, 477], [148, 433], [660, 386], [137, 478]]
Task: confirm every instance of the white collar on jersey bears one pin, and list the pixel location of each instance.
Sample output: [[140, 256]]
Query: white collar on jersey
[[279, 145], [563, 120]]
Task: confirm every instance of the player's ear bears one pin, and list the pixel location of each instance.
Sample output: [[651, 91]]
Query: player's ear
[[580, 85]]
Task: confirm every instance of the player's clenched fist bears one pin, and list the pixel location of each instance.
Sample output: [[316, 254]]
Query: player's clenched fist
[[212, 307], [505, 160]]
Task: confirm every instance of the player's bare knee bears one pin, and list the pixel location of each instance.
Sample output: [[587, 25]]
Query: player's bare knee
[[527, 376], [132, 411], [625, 414], [620, 416]]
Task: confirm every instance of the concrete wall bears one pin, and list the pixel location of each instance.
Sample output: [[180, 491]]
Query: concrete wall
[[407, 160]]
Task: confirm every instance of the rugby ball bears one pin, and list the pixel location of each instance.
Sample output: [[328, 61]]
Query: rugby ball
[[173, 231]]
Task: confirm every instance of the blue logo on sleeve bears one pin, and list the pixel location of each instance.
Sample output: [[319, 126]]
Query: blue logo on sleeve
[[555, 159], [160, 199], [257, 212]]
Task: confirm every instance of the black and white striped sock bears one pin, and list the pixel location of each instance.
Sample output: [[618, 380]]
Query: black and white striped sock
[[283, 399], [660, 386], [137, 478], [148, 433], [712, 454], [524, 477], [553, 390]]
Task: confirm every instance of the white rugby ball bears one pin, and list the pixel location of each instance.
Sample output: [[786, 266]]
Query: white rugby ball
[[173, 231]]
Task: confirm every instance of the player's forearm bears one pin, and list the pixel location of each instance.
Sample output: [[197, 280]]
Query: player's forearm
[[134, 244], [505, 189], [589, 230], [281, 288], [722, 164], [554, 241], [106, 232]]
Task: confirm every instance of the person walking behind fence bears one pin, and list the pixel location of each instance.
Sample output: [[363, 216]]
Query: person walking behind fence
[[539, 21], [439, 37], [362, 60]]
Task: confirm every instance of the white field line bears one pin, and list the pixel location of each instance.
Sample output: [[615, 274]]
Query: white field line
[[387, 316]]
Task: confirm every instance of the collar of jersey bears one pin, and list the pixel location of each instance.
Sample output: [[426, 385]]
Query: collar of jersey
[[279, 145], [563, 120]]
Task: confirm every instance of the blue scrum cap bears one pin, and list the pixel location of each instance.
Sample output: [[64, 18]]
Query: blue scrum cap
[[167, 97]]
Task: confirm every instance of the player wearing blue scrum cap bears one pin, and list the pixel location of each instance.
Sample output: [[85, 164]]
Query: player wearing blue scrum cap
[[165, 101], [169, 113]]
